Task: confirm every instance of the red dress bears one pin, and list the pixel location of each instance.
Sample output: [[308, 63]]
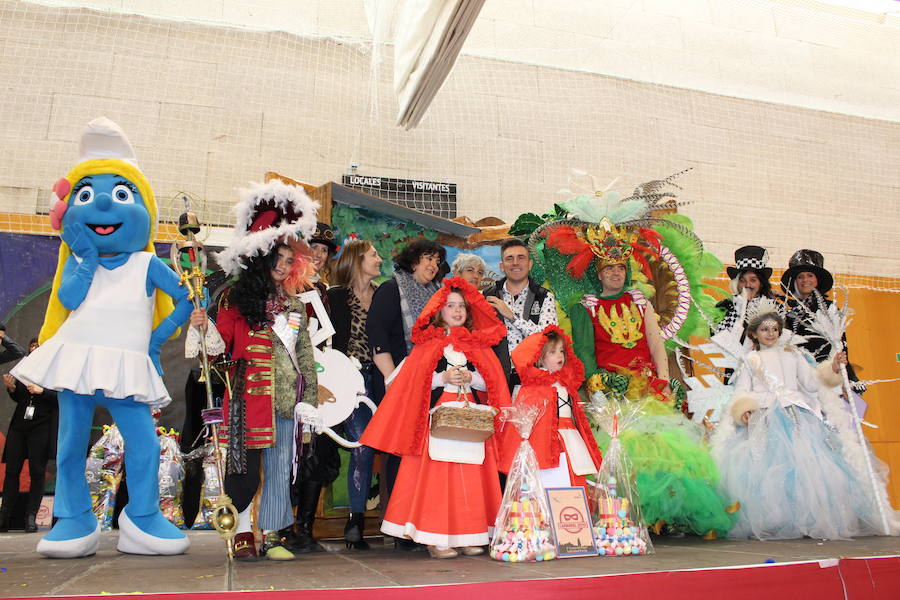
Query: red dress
[[537, 388], [436, 502]]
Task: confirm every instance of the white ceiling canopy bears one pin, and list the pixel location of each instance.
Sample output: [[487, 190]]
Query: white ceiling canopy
[[429, 36]]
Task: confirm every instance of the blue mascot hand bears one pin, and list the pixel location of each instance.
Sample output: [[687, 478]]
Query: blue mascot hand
[[78, 238]]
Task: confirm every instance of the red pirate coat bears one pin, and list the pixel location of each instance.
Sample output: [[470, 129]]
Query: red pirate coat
[[537, 389], [400, 425], [261, 384]]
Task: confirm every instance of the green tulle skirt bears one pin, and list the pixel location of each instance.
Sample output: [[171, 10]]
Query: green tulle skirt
[[676, 477]]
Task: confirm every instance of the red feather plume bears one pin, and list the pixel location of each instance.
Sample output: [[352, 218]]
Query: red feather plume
[[566, 240]]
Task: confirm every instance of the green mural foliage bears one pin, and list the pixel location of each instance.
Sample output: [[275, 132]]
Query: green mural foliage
[[387, 234]]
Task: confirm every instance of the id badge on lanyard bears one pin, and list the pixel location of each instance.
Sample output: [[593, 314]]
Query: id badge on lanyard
[[29, 412]]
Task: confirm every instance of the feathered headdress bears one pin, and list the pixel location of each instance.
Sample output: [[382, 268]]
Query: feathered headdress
[[593, 229], [604, 227], [608, 244]]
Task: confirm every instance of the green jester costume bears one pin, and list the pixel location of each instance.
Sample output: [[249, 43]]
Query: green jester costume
[[614, 335]]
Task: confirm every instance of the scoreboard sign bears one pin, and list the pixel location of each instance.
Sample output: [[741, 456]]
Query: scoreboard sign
[[434, 197]]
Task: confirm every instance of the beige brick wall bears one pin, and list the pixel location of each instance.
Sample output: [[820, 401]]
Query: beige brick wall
[[210, 107]]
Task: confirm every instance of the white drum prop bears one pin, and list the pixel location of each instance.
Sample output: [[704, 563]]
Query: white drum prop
[[341, 390]]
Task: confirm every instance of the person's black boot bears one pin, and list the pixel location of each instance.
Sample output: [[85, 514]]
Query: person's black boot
[[289, 538], [31, 523], [4, 518], [353, 531], [407, 545], [306, 516]]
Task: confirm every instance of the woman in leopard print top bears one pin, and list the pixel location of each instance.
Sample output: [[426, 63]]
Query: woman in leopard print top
[[349, 300]]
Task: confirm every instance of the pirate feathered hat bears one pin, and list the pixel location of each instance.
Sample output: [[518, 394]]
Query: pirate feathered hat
[[268, 213]]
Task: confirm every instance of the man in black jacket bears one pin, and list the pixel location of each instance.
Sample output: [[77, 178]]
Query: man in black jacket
[[524, 305]]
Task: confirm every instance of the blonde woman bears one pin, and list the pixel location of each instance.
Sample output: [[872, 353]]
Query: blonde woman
[[353, 274]]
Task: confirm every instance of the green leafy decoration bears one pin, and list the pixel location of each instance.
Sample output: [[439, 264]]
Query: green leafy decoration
[[387, 234], [526, 224]]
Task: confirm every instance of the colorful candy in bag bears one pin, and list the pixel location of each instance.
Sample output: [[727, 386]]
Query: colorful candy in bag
[[619, 528], [103, 471], [171, 476], [522, 531], [209, 493]]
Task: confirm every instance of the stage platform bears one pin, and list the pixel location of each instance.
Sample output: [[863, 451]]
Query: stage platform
[[686, 567]]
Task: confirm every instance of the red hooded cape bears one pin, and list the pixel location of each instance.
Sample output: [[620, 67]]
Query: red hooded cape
[[400, 425], [537, 389]]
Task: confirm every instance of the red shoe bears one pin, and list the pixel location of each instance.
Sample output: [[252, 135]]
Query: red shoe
[[244, 547]]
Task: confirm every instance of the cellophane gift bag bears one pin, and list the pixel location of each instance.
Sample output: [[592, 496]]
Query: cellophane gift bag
[[209, 493], [171, 476], [619, 527], [103, 472], [522, 530]]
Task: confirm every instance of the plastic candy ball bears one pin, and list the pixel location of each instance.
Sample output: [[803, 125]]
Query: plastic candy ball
[[635, 550], [621, 513], [619, 551], [505, 557], [513, 557], [611, 480]]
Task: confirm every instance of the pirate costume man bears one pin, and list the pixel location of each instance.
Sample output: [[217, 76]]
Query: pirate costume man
[[264, 327]]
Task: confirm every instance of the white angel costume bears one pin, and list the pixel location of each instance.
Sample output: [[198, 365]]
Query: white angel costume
[[788, 467]]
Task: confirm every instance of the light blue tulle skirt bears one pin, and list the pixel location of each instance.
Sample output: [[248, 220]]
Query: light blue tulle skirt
[[787, 470]]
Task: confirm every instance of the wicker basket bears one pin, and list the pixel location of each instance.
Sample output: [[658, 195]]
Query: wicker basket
[[469, 423]]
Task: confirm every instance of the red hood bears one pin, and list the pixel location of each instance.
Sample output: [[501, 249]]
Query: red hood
[[486, 326], [528, 352]]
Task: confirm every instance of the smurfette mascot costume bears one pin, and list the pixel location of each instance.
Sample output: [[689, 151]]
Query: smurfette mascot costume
[[110, 311]]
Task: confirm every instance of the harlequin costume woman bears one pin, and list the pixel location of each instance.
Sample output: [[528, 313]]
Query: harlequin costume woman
[[264, 327], [447, 493], [749, 281], [110, 311], [550, 376]]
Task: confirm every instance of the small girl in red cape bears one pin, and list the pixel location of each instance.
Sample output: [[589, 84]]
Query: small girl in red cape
[[447, 492], [562, 440]]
